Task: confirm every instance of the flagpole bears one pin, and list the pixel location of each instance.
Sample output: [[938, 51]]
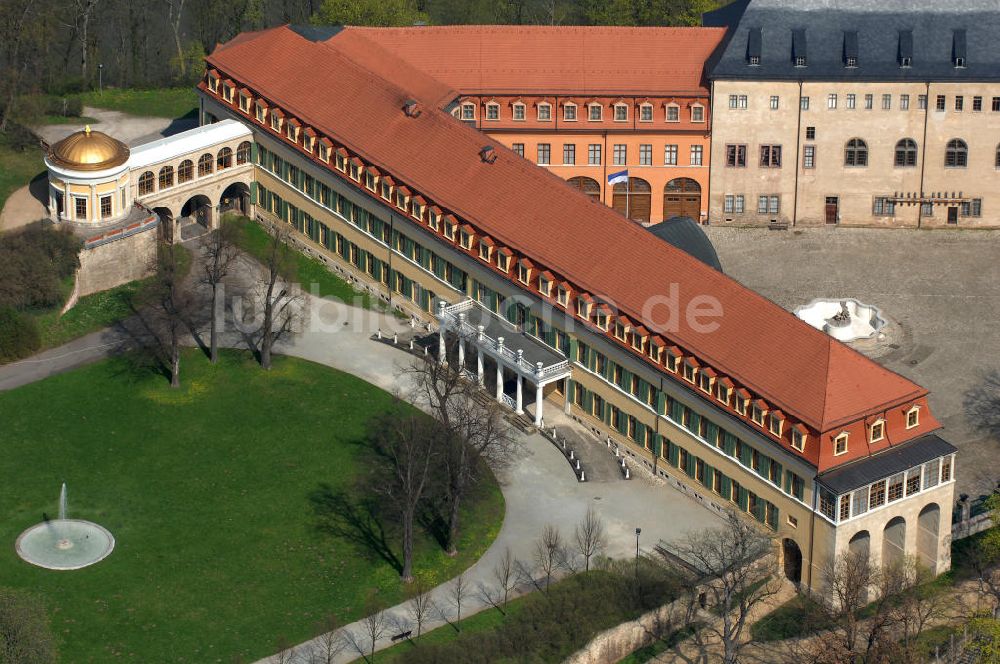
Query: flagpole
[[627, 192]]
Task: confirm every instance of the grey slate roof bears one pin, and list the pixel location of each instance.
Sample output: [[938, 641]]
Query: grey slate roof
[[685, 234], [888, 462], [879, 31]]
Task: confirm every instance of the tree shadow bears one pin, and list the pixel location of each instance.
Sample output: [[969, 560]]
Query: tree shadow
[[982, 404], [434, 523], [357, 521]]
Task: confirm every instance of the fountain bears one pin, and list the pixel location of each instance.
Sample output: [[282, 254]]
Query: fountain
[[64, 543], [845, 320]]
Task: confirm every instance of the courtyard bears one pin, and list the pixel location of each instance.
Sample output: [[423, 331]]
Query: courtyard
[[938, 288]]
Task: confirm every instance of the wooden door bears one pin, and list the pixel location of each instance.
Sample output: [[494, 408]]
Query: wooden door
[[634, 204], [953, 215], [682, 198], [832, 209]]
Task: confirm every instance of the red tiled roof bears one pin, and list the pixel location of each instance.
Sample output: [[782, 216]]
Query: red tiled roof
[[794, 367], [578, 60]]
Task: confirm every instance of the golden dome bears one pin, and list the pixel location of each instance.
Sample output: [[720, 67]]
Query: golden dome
[[88, 151]]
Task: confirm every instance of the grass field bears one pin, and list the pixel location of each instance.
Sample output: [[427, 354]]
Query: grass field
[[17, 169], [210, 492], [91, 313], [159, 103]]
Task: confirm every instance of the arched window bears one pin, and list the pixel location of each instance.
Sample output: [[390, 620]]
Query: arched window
[[906, 152], [225, 159], [146, 183], [856, 153], [956, 155], [205, 164], [185, 171], [243, 153], [166, 177]]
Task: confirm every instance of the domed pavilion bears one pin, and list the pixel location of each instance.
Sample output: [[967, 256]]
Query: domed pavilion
[[88, 179]]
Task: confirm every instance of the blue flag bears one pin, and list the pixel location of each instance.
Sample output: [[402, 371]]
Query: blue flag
[[620, 176]]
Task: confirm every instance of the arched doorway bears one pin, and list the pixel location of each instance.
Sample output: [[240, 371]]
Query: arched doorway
[[235, 198], [792, 556], [199, 209], [587, 185], [682, 198], [860, 544], [633, 202], [928, 523], [894, 542]]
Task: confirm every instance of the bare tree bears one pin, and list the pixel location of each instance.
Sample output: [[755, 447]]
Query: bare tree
[[175, 14], [504, 574], [277, 294], [479, 434], [411, 445], [220, 250], [373, 627], [164, 309], [330, 644], [549, 552], [459, 590], [921, 603], [589, 536], [736, 563], [286, 653], [420, 607], [14, 21]]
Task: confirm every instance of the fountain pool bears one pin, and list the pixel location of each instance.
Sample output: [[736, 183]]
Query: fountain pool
[[845, 319], [63, 543]]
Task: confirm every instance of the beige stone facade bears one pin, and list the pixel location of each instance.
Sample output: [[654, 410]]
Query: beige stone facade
[[814, 184]]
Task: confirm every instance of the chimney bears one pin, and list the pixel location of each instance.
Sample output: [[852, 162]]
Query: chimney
[[411, 108], [488, 154]]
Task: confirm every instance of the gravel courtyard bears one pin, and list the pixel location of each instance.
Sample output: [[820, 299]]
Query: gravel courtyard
[[940, 290]]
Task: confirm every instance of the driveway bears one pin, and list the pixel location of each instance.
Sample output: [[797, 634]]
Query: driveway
[[129, 129], [940, 290]]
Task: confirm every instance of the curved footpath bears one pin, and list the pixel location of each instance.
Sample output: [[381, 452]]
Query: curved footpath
[[539, 489]]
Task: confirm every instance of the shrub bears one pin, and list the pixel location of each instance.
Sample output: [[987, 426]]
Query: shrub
[[18, 137], [19, 335], [35, 263]]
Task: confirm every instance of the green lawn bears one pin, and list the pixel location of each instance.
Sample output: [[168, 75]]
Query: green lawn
[[64, 119], [211, 492], [159, 103], [17, 169], [313, 275], [91, 313]]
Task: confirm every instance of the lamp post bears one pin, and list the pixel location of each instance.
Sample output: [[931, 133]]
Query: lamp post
[[100, 79], [638, 531]]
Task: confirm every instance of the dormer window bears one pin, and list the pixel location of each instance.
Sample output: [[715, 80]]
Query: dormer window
[[646, 113], [569, 112], [503, 259], [705, 380], [905, 50], [545, 284], [486, 249], [465, 237], [754, 60], [260, 112], [758, 411], [639, 335], [742, 400], [690, 369], [776, 422], [723, 390], [799, 435], [673, 113], [913, 417], [958, 52], [673, 357], [276, 119], [417, 211], [840, 444], [656, 349], [341, 159], [544, 111], [402, 198], [355, 169], [468, 111], [324, 150], [800, 61], [385, 191], [595, 112], [799, 48], [754, 39], [562, 294], [622, 327], [850, 62], [434, 218], [245, 101], [697, 113], [876, 431], [583, 305], [213, 82], [524, 271], [492, 111], [227, 92], [370, 179], [518, 112], [906, 62], [621, 112], [851, 49], [601, 319], [450, 225], [292, 130]]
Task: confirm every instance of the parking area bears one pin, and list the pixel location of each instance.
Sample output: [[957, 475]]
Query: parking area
[[939, 289]]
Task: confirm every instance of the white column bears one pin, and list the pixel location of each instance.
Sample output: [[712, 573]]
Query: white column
[[568, 404], [538, 394], [499, 370], [461, 342], [442, 357], [520, 409], [479, 355]]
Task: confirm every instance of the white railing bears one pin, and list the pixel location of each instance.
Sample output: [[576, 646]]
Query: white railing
[[509, 401], [452, 319]]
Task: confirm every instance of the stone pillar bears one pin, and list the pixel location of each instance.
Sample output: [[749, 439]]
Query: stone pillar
[[520, 408], [499, 370], [568, 405], [461, 342], [442, 350], [538, 394], [479, 355]]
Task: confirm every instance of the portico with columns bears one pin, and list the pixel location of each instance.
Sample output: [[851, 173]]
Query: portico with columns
[[503, 349]]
